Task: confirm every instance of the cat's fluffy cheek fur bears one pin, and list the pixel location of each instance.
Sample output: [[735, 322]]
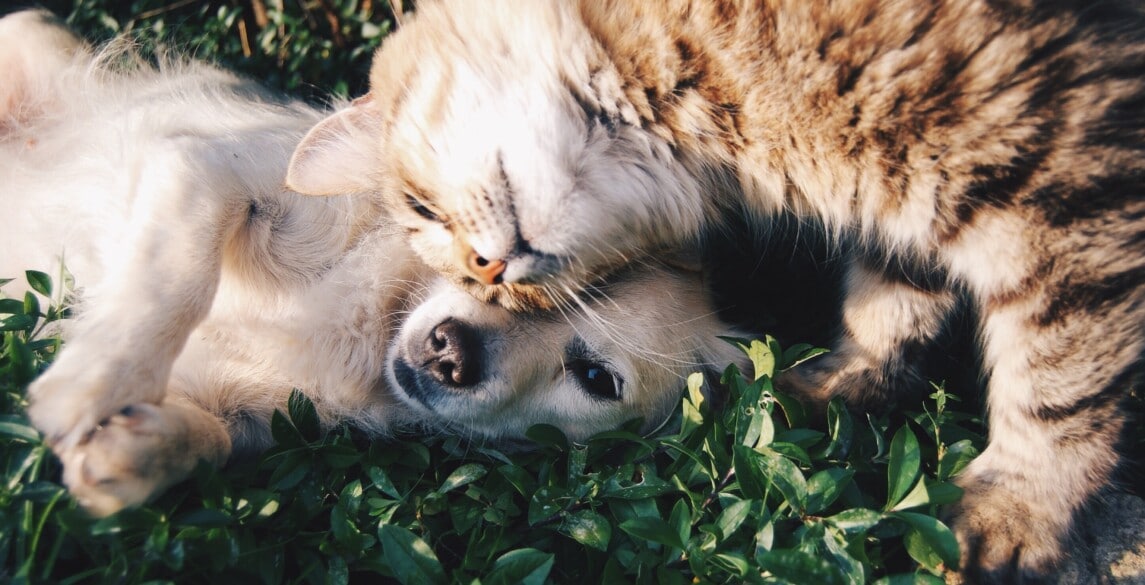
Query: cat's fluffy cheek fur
[[517, 167], [589, 194]]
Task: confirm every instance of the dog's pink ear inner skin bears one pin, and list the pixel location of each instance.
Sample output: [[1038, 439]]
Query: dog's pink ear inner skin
[[28, 62], [338, 155]]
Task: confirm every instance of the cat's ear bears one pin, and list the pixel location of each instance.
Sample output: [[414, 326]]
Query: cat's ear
[[337, 156]]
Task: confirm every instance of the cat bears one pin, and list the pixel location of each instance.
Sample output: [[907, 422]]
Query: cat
[[207, 292], [986, 148]]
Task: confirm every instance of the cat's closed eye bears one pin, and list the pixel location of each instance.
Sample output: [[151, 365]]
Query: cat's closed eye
[[421, 208]]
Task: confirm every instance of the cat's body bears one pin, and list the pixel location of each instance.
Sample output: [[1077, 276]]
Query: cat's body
[[992, 148]]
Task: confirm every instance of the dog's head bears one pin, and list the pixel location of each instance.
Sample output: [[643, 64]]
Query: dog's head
[[619, 354]]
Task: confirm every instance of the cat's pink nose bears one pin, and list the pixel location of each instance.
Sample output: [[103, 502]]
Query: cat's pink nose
[[484, 270]]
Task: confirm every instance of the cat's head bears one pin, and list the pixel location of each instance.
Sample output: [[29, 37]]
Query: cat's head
[[481, 371], [501, 139]]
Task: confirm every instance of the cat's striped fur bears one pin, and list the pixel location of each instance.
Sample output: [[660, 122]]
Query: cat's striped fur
[[991, 147]]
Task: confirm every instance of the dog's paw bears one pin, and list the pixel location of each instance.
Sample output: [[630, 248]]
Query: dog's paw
[[69, 400], [1007, 537], [128, 459], [84, 387]]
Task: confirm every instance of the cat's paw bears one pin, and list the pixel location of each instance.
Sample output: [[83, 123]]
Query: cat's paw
[[127, 459], [1007, 537], [862, 384]]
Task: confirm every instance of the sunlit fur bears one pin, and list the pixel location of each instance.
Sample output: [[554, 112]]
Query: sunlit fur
[[991, 148], [207, 291]]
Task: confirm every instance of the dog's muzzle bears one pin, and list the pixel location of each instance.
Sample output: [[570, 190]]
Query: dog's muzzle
[[448, 361]]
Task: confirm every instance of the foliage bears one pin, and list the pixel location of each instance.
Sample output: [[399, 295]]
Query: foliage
[[311, 49], [746, 492]]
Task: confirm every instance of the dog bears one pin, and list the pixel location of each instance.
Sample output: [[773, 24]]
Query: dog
[[207, 291]]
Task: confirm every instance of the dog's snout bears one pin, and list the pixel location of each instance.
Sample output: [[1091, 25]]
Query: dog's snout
[[453, 354]]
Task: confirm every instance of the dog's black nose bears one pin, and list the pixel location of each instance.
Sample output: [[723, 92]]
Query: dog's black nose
[[453, 354]]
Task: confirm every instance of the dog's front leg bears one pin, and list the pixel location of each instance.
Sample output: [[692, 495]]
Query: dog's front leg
[[184, 202]]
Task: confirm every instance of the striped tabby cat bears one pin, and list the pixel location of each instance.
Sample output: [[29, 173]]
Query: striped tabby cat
[[994, 148]]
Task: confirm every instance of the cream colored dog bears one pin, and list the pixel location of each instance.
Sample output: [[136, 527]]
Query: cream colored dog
[[207, 291]]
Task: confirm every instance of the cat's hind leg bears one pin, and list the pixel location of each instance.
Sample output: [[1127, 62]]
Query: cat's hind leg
[[1061, 360]]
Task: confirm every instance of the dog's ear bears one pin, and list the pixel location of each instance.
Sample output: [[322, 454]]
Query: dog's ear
[[35, 47], [337, 156]]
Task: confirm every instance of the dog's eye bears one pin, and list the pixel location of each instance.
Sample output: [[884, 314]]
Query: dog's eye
[[420, 208], [596, 379]]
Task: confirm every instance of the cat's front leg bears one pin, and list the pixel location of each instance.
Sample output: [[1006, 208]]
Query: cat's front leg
[[888, 320], [139, 452], [159, 283], [1058, 379]]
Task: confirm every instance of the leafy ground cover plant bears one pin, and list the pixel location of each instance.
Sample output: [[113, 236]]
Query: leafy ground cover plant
[[311, 49], [748, 491]]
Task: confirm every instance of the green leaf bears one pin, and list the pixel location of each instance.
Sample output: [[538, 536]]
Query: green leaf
[[762, 357], [681, 520], [410, 558], [461, 476], [793, 411], [13, 427], [31, 305], [855, 520], [519, 478], [800, 567], [929, 541], [548, 435], [526, 566], [19, 322], [11, 307], [800, 353], [653, 529], [956, 458], [635, 482], [903, 466], [731, 562], [733, 517], [841, 430], [824, 487], [303, 415], [291, 469], [381, 480], [40, 282], [546, 502], [943, 492], [693, 407], [749, 473], [911, 579], [779, 472], [918, 496], [588, 528], [750, 413]]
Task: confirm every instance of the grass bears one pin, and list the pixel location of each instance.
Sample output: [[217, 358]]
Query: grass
[[750, 492]]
